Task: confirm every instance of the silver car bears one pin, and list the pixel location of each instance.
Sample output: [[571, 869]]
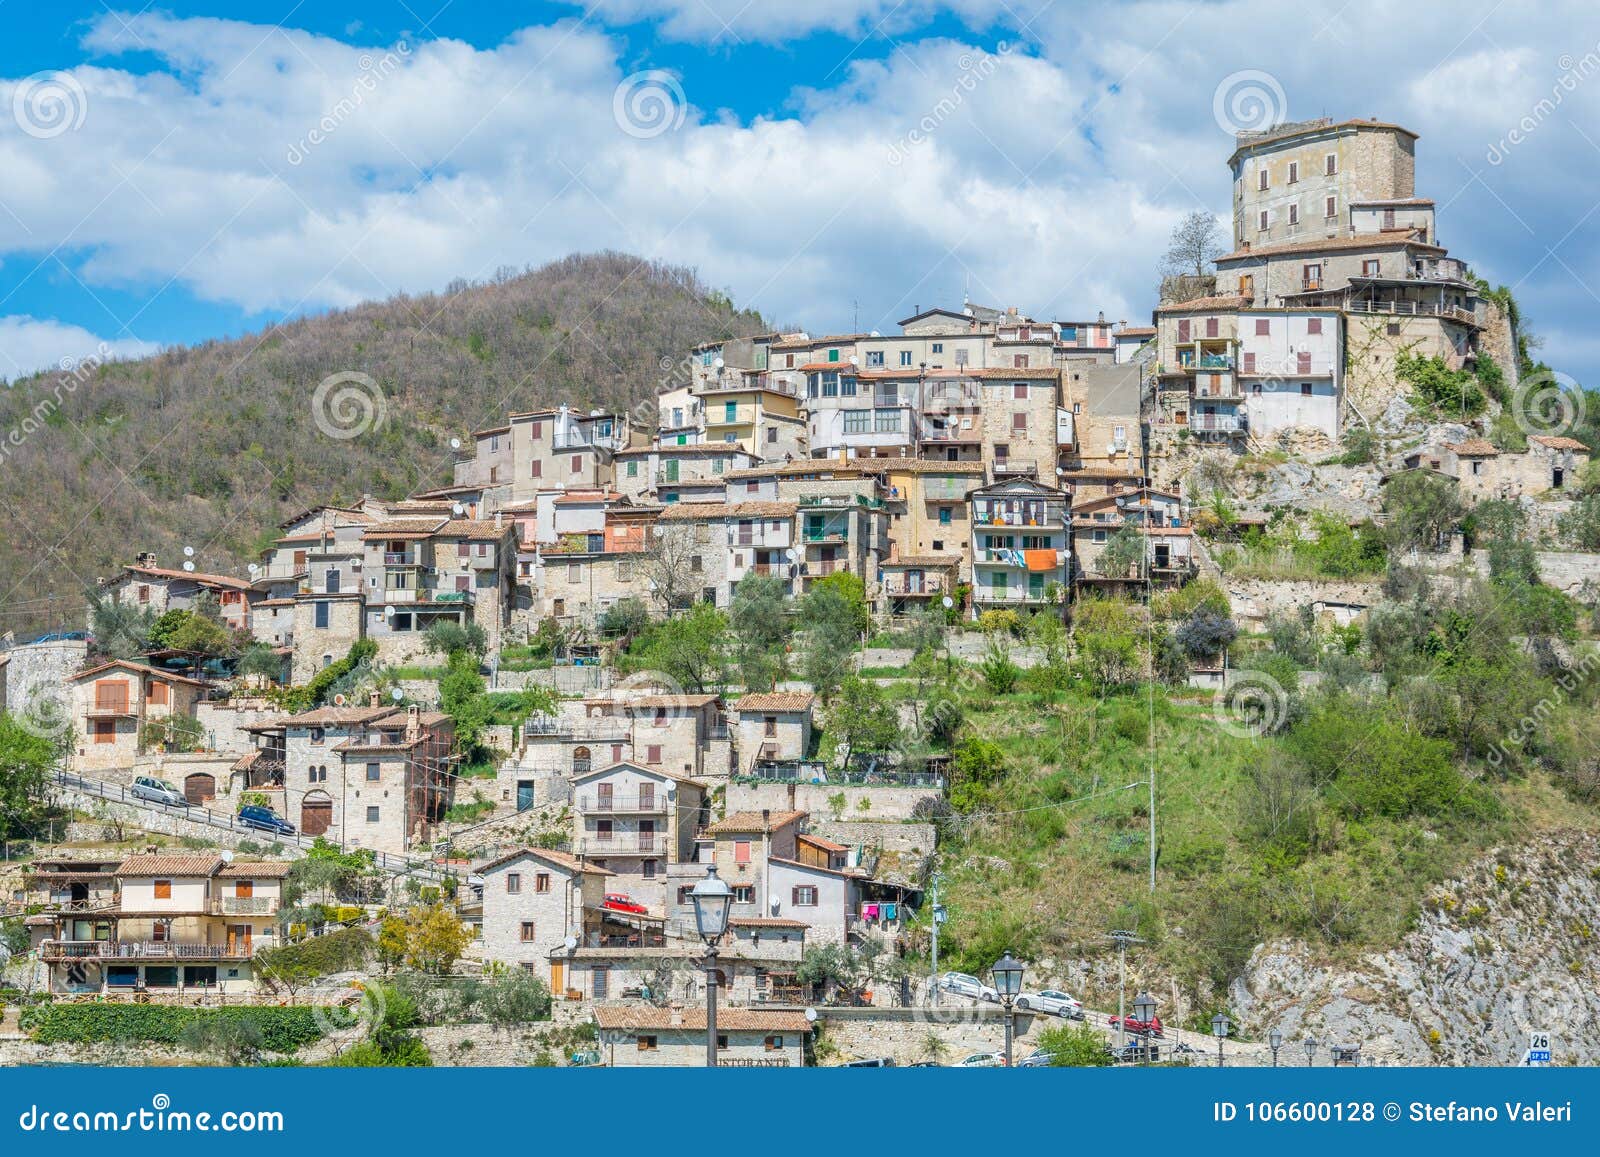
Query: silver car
[[157, 791], [1052, 1002], [965, 985]]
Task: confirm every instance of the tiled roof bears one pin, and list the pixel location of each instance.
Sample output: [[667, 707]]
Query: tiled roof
[[417, 526], [1386, 240], [256, 870], [1016, 372], [197, 864], [475, 528], [629, 1017], [1136, 331], [559, 859], [917, 466], [762, 509], [218, 580], [819, 842], [1392, 201], [129, 665], [776, 701], [801, 468], [1558, 442], [1474, 448], [742, 822], [766, 922], [923, 560], [1221, 301], [689, 511]]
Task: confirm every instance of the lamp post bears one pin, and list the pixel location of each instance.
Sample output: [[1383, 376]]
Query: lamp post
[[1310, 1045], [1274, 1042], [712, 899], [1007, 974], [1144, 1011], [1220, 1025]]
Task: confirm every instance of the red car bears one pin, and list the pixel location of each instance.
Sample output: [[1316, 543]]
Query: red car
[[618, 902], [1139, 1027]]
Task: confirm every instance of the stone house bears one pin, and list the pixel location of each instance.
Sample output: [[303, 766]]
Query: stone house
[[761, 540], [696, 544], [158, 590], [635, 1036], [1158, 517], [638, 822], [121, 709], [773, 725], [685, 735], [751, 411], [670, 473], [1021, 554], [183, 923], [539, 904], [927, 503]]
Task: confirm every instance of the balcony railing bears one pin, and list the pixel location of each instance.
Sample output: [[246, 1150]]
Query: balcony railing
[[1216, 362], [399, 558], [653, 804], [906, 584], [826, 533], [249, 905], [1415, 309], [623, 844], [140, 950], [1219, 423], [1013, 468]]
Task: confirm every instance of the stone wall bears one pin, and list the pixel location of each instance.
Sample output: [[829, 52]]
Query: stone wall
[[40, 668], [1254, 600], [904, 1034], [882, 803]]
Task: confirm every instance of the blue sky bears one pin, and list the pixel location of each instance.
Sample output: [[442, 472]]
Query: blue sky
[[832, 163]]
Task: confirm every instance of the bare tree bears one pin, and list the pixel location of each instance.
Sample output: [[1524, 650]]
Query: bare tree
[[1194, 247], [669, 564]]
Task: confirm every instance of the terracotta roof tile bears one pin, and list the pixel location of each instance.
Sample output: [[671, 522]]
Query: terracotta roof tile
[[1558, 442], [776, 701], [194, 864], [1386, 240], [1474, 448], [560, 859], [627, 1017], [752, 821]]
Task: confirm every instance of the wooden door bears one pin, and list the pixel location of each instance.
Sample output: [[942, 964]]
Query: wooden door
[[558, 977]]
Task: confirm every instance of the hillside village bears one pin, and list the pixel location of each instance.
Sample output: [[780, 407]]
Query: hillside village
[[837, 616]]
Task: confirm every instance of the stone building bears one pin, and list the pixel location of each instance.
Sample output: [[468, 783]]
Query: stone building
[[1021, 552], [773, 725], [536, 901], [120, 709], [642, 1035], [638, 822]]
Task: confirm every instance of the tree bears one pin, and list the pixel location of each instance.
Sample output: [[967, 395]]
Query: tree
[[833, 615], [862, 718], [1123, 552], [121, 630], [624, 620], [233, 1041], [462, 697], [1205, 634], [451, 639], [27, 761], [392, 936], [1581, 525], [999, 672], [514, 999], [688, 648], [435, 939], [1422, 507], [852, 598], [1074, 1046], [668, 564], [1193, 248], [260, 659], [761, 628]]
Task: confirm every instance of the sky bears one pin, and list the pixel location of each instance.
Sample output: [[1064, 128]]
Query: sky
[[193, 171]]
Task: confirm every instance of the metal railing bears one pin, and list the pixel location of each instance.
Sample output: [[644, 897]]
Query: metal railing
[[1415, 309], [623, 844], [248, 905], [140, 950], [623, 804]]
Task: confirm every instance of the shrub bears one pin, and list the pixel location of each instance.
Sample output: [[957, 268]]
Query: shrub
[[1074, 1046], [278, 1029]]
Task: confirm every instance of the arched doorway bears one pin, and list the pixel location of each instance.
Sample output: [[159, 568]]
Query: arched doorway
[[316, 813], [580, 761], [200, 787]]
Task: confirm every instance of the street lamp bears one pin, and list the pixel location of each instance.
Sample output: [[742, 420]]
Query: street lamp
[[1274, 1042], [712, 899], [1310, 1044], [1007, 974], [1144, 1011], [1220, 1025]]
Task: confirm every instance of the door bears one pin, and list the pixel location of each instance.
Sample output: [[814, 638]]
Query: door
[[239, 938], [199, 787], [605, 797], [558, 977], [331, 581], [316, 815], [524, 794], [672, 469], [647, 835]]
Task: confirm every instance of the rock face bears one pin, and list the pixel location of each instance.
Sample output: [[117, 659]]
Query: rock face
[[1507, 949]]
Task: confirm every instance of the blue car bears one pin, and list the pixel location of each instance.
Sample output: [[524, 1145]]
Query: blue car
[[265, 819]]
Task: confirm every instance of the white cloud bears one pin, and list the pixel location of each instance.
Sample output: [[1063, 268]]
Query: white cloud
[[28, 345], [274, 169]]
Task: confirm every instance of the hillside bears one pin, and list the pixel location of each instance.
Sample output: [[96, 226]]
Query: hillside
[[212, 446]]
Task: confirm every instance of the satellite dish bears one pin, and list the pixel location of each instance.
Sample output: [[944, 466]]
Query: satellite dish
[[458, 510], [188, 552], [388, 612], [397, 694], [594, 413], [252, 568], [1061, 471], [455, 443], [852, 359], [571, 943], [227, 855], [875, 333], [188, 566], [338, 700], [811, 1014], [790, 554], [948, 602], [718, 363]]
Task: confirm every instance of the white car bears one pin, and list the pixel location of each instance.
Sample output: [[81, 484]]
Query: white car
[[964, 985], [157, 791], [1052, 1002], [982, 1061]]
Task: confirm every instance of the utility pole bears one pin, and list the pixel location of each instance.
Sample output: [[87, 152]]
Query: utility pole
[[938, 919], [1122, 939]]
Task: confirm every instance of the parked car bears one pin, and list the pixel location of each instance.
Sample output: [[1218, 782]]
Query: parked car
[[924, 1065], [1052, 1002], [1139, 1027], [965, 985], [1037, 1059], [157, 791], [874, 1063], [982, 1061], [265, 819], [618, 902]]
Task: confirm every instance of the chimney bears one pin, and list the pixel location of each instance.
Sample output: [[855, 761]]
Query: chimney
[[766, 816], [676, 1011], [372, 698], [497, 517], [413, 723], [146, 558]]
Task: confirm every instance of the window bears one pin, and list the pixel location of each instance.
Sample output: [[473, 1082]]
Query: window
[[321, 616], [1370, 268], [905, 357], [652, 753], [1262, 221], [1019, 423], [874, 359], [527, 932], [1305, 389], [574, 571], [833, 355], [144, 594], [1313, 325], [633, 469], [601, 986], [1019, 361], [158, 694], [317, 736], [857, 421], [650, 869], [774, 1043], [1294, 172], [1263, 327], [1302, 360], [938, 545], [741, 851], [536, 470], [744, 894], [577, 463], [513, 883], [886, 421], [1330, 207], [1261, 181], [1211, 327], [938, 347], [373, 770], [769, 724], [805, 896], [647, 1044], [372, 815], [163, 889], [696, 564], [1249, 366], [1019, 391], [1294, 214], [945, 515], [722, 1040], [1183, 329], [1330, 164]]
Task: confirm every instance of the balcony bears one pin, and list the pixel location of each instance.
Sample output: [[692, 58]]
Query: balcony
[[1219, 423], [1013, 469], [623, 844], [830, 532], [248, 906], [1398, 308], [591, 803], [1310, 284], [57, 950], [1215, 362], [908, 585], [399, 558]]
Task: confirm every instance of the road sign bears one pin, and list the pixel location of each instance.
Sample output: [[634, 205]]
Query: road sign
[[1538, 1049]]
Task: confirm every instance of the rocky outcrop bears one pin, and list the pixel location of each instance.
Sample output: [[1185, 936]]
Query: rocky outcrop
[[1506, 949]]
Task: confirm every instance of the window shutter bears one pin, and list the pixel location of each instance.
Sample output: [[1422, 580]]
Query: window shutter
[[794, 896], [1249, 363], [1183, 329]]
